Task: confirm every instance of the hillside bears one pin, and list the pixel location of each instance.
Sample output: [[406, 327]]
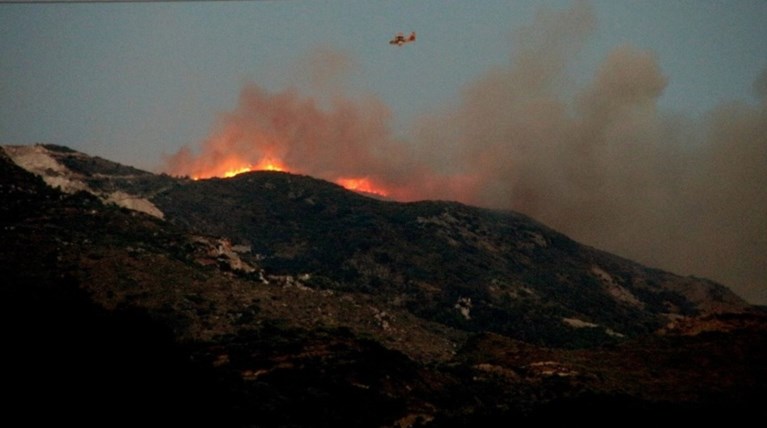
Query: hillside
[[253, 296], [465, 267], [468, 268]]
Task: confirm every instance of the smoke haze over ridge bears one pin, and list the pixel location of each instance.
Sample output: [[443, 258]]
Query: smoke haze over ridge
[[600, 162]]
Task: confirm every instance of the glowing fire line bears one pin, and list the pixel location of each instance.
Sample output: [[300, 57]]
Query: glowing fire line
[[233, 172], [363, 184], [264, 165]]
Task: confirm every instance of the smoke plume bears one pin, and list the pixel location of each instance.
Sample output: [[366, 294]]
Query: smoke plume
[[600, 162]]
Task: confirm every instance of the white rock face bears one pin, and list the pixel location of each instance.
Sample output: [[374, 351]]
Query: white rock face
[[39, 161], [577, 323], [134, 203], [464, 306], [35, 159], [617, 291]]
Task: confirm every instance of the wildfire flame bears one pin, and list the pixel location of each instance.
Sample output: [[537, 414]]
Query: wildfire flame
[[363, 184], [233, 172], [226, 171], [269, 164]]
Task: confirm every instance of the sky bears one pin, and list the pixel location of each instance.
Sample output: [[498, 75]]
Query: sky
[[634, 126]]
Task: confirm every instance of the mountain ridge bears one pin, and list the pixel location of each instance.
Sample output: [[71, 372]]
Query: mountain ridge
[[393, 332], [450, 254]]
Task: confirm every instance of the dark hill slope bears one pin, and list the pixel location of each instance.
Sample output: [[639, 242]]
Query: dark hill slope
[[469, 268], [159, 325], [111, 317]]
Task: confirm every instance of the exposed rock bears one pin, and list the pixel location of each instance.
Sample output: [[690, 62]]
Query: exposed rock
[[41, 161]]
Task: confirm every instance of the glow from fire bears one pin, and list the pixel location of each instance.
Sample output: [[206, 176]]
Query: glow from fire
[[265, 164], [269, 164], [362, 185], [233, 172]]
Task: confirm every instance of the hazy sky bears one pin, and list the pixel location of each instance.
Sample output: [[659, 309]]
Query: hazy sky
[[639, 127], [131, 81]]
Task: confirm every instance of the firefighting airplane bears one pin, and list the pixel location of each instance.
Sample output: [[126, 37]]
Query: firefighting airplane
[[400, 39]]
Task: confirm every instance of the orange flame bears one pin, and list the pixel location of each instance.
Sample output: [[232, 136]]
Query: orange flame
[[362, 185], [265, 164], [269, 164], [236, 171]]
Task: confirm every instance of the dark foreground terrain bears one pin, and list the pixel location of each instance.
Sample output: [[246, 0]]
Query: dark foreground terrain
[[277, 300]]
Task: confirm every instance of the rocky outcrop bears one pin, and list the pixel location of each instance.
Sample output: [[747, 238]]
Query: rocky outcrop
[[46, 163]]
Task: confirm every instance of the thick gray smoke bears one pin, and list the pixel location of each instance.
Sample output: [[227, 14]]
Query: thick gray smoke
[[601, 163], [606, 166]]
